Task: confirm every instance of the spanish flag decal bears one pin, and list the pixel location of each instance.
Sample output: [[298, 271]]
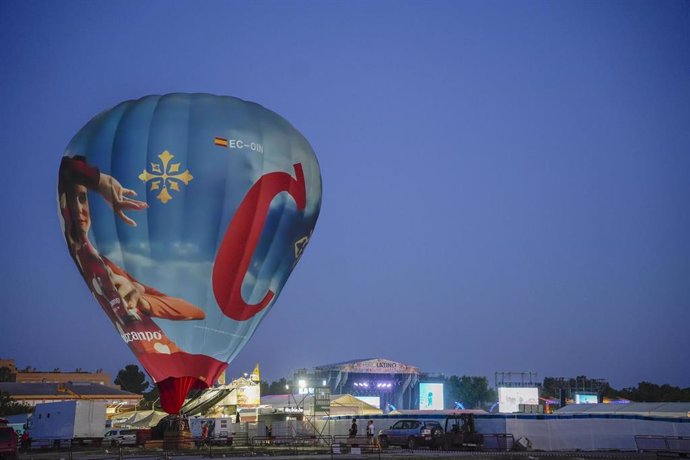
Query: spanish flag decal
[[220, 142]]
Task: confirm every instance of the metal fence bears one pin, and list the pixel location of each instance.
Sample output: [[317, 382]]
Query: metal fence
[[355, 445], [244, 445]]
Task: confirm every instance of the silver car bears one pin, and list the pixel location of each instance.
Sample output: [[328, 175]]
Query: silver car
[[121, 437], [411, 434]]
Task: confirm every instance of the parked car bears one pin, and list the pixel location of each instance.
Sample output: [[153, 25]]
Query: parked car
[[120, 437], [8, 443], [411, 434]]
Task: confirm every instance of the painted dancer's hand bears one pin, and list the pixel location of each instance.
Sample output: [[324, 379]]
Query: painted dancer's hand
[[133, 295], [118, 198]]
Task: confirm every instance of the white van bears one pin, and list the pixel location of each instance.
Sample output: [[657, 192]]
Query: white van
[[120, 437]]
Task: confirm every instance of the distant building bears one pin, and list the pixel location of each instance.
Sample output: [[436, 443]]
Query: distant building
[[99, 377], [8, 363], [35, 393], [29, 375]]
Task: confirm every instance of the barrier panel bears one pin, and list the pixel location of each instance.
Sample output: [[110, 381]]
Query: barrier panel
[[287, 445], [501, 442], [679, 445], [299, 440], [240, 439], [313, 440], [271, 441], [357, 445]]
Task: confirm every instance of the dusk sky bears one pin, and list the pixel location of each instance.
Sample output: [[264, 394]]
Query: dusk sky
[[506, 185]]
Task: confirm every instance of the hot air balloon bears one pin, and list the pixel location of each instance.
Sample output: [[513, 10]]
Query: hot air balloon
[[185, 214]]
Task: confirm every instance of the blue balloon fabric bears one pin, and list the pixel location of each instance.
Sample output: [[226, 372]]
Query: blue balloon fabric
[[185, 214]]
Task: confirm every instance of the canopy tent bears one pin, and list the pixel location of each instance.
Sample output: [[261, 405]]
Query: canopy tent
[[144, 419], [205, 400], [340, 404], [134, 416], [349, 405], [150, 420]]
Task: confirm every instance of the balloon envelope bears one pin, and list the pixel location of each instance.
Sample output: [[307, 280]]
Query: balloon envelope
[[185, 214]]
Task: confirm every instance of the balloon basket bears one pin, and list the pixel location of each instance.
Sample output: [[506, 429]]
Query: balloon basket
[[177, 435], [154, 444], [178, 440]]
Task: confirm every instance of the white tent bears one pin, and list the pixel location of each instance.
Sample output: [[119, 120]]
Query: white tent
[[674, 409], [144, 419]]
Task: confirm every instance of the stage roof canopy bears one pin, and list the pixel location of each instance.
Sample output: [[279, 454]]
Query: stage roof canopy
[[370, 366]]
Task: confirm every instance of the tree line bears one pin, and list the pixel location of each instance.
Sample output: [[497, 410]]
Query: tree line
[[643, 392]]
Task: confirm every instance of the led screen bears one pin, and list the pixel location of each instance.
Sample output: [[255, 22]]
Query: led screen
[[510, 398], [371, 400], [586, 398], [430, 396]]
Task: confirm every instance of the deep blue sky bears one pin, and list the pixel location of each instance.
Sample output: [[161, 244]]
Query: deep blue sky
[[506, 185]]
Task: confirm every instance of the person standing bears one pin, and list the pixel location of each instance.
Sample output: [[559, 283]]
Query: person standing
[[353, 428], [25, 441], [204, 433], [370, 432]]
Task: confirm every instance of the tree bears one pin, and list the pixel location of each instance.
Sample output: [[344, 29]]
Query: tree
[[551, 388], [6, 374], [275, 388], [264, 388], [10, 407], [651, 392], [472, 391], [476, 391], [132, 379], [151, 399]]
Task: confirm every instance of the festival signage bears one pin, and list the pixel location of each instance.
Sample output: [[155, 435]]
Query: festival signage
[[322, 399], [379, 366]]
